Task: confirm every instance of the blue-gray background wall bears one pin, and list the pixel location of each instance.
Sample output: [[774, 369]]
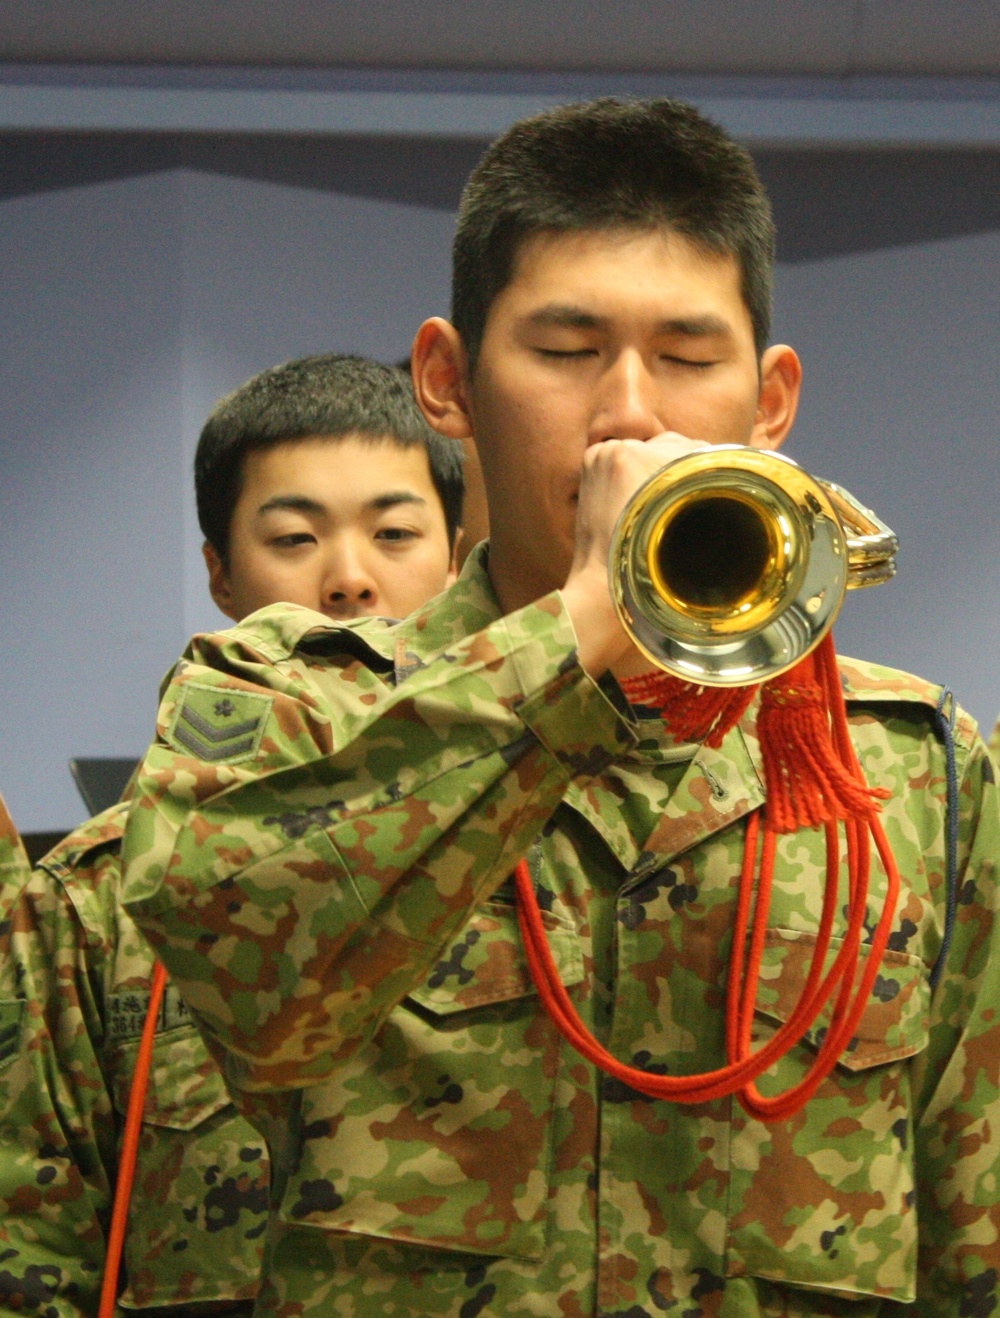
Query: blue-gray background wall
[[128, 306]]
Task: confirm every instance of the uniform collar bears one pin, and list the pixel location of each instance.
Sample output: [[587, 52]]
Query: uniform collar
[[464, 608]]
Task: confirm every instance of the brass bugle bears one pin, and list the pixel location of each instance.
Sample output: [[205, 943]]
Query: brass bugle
[[729, 565]]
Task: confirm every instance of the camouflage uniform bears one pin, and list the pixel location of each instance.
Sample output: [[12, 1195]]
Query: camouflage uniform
[[74, 988], [321, 850], [994, 742], [14, 864]]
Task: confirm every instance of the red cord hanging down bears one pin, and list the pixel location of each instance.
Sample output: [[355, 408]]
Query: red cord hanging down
[[130, 1146], [813, 778]]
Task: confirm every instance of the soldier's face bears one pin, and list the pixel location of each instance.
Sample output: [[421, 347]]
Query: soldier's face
[[601, 335], [349, 527]]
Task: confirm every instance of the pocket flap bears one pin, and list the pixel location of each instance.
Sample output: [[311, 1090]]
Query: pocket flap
[[895, 1021], [401, 1142], [185, 1085], [486, 963]]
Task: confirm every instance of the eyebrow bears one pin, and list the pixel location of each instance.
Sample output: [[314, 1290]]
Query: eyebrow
[[296, 503], [300, 503], [392, 498], [567, 316]]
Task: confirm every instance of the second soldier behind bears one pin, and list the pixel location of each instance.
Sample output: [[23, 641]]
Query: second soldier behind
[[319, 483]]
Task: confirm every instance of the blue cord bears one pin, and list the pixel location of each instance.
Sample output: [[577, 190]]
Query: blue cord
[[944, 718]]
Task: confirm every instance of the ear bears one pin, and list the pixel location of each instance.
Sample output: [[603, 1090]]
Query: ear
[[218, 581], [778, 400], [440, 377]]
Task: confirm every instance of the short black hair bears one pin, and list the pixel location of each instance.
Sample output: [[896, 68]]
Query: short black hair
[[328, 396], [610, 164]]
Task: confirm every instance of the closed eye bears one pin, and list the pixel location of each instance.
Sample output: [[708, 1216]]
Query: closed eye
[[695, 363], [566, 352], [396, 534], [293, 539]]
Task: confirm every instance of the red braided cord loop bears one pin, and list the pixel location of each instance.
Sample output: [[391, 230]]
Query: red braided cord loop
[[691, 712], [830, 784]]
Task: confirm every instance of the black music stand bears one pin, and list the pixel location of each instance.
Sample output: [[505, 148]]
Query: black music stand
[[101, 780]]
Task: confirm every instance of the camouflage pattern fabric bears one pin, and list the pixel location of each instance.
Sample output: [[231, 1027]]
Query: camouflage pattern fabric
[[14, 863], [994, 742], [74, 988], [333, 901]]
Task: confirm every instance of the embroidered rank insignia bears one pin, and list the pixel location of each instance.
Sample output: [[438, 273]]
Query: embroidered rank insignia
[[222, 727]]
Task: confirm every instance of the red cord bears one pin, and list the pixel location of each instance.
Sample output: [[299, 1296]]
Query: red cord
[[840, 984], [130, 1147]]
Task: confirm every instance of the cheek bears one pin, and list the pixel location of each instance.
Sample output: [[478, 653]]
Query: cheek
[[736, 408], [434, 565], [711, 407], [261, 580], [520, 427], [258, 571], [421, 577]]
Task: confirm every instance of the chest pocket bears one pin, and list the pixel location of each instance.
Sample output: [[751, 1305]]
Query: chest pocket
[[826, 1200], [202, 1180], [439, 1131]]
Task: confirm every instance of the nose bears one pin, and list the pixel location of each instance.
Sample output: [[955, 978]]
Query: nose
[[626, 405], [349, 589]]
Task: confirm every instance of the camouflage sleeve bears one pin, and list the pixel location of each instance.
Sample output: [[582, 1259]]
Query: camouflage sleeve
[[14, 864], [956, 1080], [300, 887], [57, 1150], [74, 995], [994, 742]]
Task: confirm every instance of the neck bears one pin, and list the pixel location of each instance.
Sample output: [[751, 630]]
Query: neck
[[514, 581]]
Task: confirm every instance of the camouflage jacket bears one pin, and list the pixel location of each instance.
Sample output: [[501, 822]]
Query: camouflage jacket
[[74, 989], [321, 845], [14, 864], [994, 742]]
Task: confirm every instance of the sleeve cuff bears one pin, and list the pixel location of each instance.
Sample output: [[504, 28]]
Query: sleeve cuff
[[564, 706]]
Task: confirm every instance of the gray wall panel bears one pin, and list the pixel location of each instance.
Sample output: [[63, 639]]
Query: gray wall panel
[[130, 308], [91, 492], [902, 405]]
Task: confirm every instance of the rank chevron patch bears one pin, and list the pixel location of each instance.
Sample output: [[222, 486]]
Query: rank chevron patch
[[223, 727]]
